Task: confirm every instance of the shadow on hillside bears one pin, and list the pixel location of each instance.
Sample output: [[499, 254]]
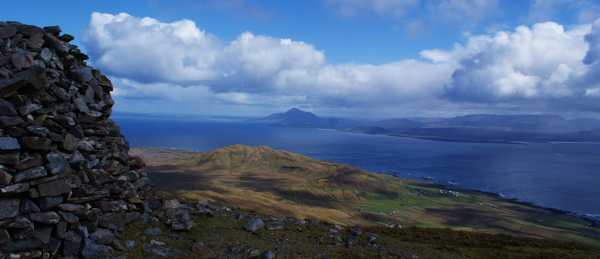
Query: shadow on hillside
[[472, 218], [172, 178], [274, 186]]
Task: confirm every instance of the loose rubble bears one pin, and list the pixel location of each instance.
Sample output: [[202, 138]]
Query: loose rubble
[[67, 183]]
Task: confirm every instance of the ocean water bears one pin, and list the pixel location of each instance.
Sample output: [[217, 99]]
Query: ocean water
[[557, 175]]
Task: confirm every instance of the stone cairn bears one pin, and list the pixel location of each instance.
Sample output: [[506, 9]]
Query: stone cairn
[[67, 183]]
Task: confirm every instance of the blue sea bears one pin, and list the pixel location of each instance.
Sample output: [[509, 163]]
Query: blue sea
[[558, 175]]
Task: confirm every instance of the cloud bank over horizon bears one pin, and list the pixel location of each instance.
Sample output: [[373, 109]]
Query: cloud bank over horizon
[[545, 67]]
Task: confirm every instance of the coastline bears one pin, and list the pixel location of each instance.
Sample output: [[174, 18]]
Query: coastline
[[460, 140], [593, 219]]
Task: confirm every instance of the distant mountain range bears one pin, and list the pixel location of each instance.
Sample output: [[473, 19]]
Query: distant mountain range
[[529, 123], [298, 118], [470, 128], [490, 128]]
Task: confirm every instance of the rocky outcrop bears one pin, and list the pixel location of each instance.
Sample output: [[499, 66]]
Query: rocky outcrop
[[67, 183]]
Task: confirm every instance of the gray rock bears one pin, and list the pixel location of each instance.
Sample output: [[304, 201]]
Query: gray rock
[[82, 75], [45, 217], [4, 236], [56, 44], [69, 217], [158, 249], [130, 244], [72, 244], [103, 236], [47, 203], [23, 245], [113, 206], [117, 221], [10, 208], [54, 30], [152, 232], [81, 105], [61, 93], [21, 223], [372, 238], [85, 146], [22, 233], [9, 121], [36, 41], [77, 160], [15, 188], [29, 206], [253, 253], [29, 161], [275, 225], [254, 225], [5, 178], [11, 158], [56, 163], [37, 143], [60, 230], [38, 130], [267, 255], [74, 208], [54, 188], [152, 204], [198, 246], [4, 73], [70, 142], [29, 108], [8, 143], [7, 31], [171, 204], [356, 231], [32, 173], [21, 60], [179, 219], [7, 108], [43, 234], [46, 55]]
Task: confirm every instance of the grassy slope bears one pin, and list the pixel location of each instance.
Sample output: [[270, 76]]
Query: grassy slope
[[282, 183], [222, 236]]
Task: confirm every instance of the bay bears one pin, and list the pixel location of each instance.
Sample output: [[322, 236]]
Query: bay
[[558, 175]]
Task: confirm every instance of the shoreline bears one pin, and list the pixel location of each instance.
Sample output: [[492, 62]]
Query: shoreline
[[459, 140], [593, 219]]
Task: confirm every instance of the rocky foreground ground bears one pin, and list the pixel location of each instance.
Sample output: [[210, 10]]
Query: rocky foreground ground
[[173, 227]]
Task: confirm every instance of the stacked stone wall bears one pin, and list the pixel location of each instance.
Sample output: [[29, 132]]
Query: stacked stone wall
[[67, 183]]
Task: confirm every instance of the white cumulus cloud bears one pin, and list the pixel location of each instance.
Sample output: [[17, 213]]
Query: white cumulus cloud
[[180, 53], [530, 62], [544, 64]]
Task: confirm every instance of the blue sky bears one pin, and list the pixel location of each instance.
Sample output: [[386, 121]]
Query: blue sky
[[366, 37], [370, 57]]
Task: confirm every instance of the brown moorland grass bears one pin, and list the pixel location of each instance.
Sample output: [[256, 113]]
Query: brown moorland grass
[[282, 183]]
